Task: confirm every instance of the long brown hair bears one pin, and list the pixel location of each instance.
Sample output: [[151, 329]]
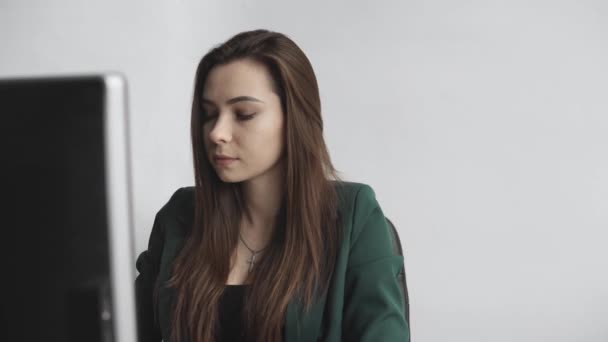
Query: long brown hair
[[299, 261]]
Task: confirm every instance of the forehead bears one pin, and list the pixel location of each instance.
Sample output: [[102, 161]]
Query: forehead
[[237, 78]]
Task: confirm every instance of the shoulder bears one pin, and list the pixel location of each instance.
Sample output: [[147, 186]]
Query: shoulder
[[180, 201], [352, 197], [351, 192], [355, 198], [178, 211], [357, 202]]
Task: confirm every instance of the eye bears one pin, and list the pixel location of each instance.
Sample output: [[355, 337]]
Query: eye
[[240, 116], [245, 117]]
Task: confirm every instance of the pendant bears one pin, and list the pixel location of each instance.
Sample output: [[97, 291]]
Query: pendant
[[251, 262]]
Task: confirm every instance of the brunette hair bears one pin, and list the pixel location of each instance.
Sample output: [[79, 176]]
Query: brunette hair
[[300, 259]]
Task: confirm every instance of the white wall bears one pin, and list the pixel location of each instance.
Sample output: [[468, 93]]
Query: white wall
[[480, 124]]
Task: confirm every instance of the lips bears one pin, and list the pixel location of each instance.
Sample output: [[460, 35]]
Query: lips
[[222, 160]]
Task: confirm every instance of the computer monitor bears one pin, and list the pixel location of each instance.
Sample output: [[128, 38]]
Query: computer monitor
[[66, 253]]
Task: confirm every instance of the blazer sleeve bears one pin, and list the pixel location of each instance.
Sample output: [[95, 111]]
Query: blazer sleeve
[[148, 265], [373, 301]]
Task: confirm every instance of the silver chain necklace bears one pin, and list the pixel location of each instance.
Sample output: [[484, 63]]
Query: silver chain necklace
[[251, 260]]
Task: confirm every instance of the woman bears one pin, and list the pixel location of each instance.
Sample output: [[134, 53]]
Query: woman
[[268, 245]]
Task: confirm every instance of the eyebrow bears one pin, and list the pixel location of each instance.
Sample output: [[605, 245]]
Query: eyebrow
[[234, 100]]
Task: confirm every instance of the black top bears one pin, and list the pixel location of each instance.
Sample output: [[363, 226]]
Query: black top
[[230, 314]]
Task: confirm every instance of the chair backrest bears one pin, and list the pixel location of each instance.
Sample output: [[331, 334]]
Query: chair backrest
[[401, 276]]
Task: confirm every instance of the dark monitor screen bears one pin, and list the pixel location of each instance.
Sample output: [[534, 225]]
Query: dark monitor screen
[[55, 251]]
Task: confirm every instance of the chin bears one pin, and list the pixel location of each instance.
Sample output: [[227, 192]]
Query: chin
[[226, 179], [229, 179]]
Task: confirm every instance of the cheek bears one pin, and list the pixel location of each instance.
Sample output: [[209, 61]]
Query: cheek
[[274, 141], [262, 143]]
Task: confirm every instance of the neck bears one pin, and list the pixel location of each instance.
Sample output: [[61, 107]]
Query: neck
[[263, 197]]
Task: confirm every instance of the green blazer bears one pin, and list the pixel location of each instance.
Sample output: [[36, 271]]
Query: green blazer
[[363, 303]]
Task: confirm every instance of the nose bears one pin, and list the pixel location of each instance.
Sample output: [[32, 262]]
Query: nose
[[221, 132]]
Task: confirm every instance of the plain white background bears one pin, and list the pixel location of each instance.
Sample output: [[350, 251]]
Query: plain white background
[[481, 125]]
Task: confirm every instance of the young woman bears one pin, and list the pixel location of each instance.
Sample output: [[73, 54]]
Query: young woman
[[269, 245]]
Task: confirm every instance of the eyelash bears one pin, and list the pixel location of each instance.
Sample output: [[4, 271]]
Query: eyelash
[[241, 117], [245, 117]]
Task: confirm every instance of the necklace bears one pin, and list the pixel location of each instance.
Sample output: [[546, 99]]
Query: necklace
[[251, 260]]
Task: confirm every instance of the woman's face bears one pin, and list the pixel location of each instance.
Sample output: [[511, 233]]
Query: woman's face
[[245, 121]]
